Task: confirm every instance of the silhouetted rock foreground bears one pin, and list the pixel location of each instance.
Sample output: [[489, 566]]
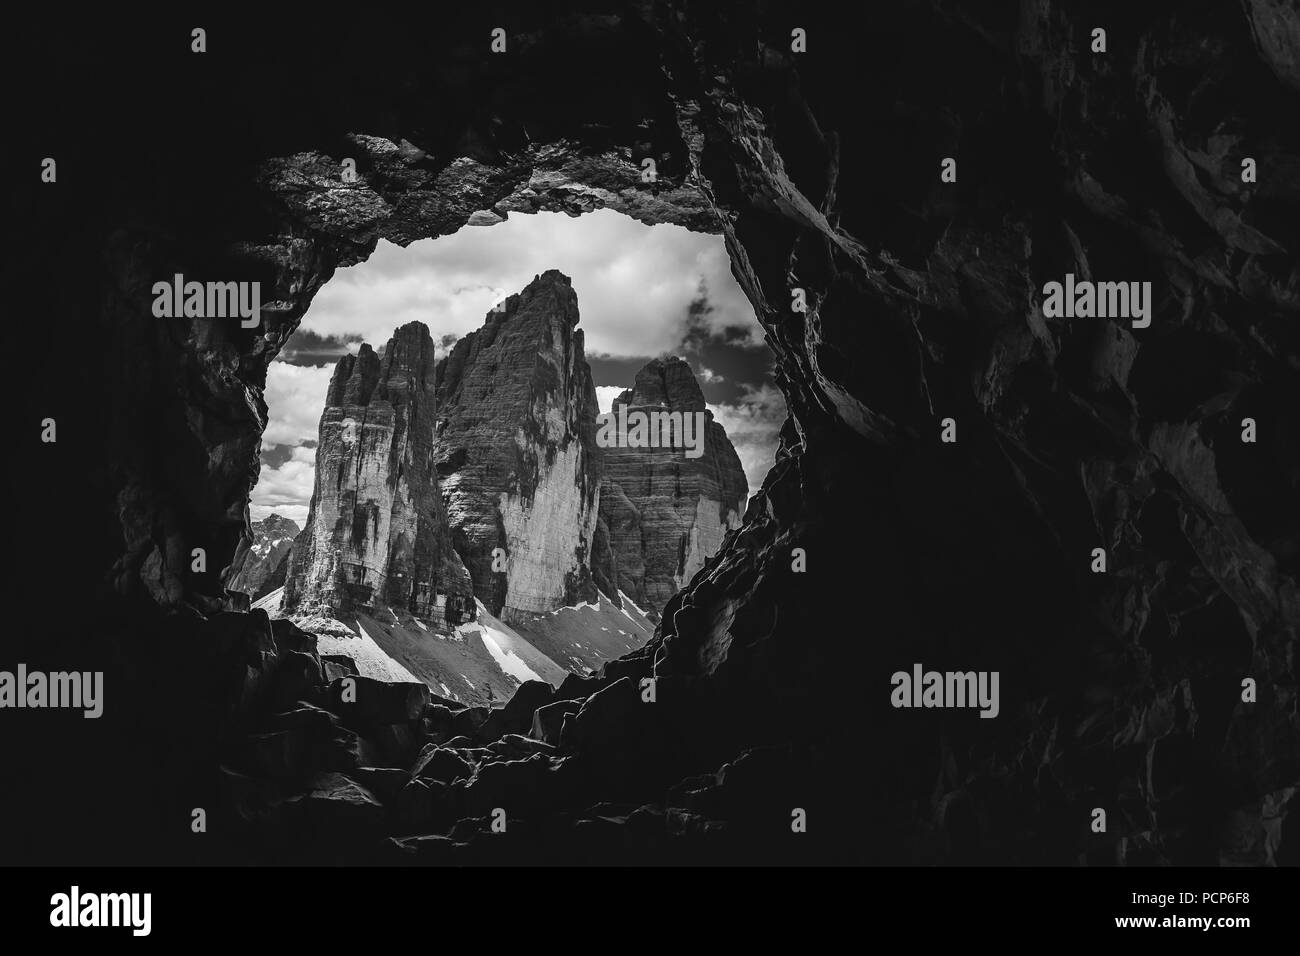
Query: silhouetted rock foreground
[[316, 771], [1120, 690]]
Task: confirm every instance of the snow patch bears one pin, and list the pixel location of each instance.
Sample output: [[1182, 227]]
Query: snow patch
[[271, 602], [574, 607], [508, 661], [370, 658], [634, 607]]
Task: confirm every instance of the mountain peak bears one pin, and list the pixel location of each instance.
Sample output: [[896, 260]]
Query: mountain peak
[[667, 381], [261, 560], [278, 523], [516, 450], [402, 365], [654, 500], [549, 293], [551, 276], [375, 535]]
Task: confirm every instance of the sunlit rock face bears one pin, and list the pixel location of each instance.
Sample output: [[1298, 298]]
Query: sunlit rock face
[[664, 510], [516, 456], [376, 535]]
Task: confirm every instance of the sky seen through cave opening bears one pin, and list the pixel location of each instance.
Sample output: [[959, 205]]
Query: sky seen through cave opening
[[643, 292]]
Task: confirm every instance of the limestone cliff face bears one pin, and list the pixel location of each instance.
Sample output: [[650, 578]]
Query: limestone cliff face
[[261, 561], [516, 454], [376, 534], [663, 511]]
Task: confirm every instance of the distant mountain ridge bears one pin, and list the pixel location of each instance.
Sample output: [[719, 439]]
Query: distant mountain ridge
[[260, 562]]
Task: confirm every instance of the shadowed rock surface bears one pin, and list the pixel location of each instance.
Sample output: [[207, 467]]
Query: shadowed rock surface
[[376, 534], [662, 512], [1121, 689], [516, 454]]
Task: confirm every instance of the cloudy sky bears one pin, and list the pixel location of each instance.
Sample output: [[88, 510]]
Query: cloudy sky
[[643, 292]]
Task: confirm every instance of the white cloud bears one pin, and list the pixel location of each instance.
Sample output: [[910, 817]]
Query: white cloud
[[605, 395], [634, 282], [286, 490], [295, 398], [753, 424]]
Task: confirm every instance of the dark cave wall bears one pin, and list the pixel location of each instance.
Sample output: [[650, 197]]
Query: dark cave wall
[[1120, 690], [822, 172]]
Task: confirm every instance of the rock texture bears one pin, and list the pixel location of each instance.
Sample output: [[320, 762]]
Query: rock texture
[[516, 465], [262, 560], [516, 455], [663, 513], [376, 535], [821, 171]]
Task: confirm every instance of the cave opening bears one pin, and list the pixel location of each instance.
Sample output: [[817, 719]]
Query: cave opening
[[460, 406], [874, 545]]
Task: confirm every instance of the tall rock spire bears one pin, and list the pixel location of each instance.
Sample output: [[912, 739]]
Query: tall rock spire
[[662, 511], [516, 454], [376, 534]]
